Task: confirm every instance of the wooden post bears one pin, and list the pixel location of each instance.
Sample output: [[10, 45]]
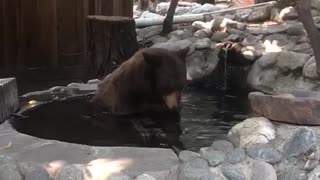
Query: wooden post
[[9, 102], [110, 41]]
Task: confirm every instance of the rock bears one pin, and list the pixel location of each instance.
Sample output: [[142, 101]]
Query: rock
[[284, 108], [219, 36], [304, 48], [311, 164], [9, 98], [315, 4], [290, 61], [301, 141], [201, 25], [294, 174], [233, 173], [257, 130], [202, 63], [185, 156], [145, 177], [205, 8], [6, 160], [158, 175], [263, 171], [149, 32], [296, 30], [162, 8], [93, 81], [278, 39], [260, 14], [147, 14], [202, 33], [70, 172], [264, 153], [159, 39], [196, 169], [9, 172], [288, 13], [180, 34], [259, 30], [250, 40], [182, 10], [315, 12], [37, 174], [222, 145], [315, 174], [310, 69], [213, 157], [203, 43], [236, 156], [119, 177], [174, 45], [242, 14], [233, 38]]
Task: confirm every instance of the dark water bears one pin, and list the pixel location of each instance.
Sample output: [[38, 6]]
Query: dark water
[[205, 116]]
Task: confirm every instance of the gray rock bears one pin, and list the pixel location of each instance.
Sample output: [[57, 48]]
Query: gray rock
[[233, 38], [302, 140], [203, 43], [37, 174], [182, 10], [119, 177], [263, 171], [70, 172], [315, 4], [185, 156], [290, 61], [294, 174], [9, 172], [303, 48], [257, 130], [264, 153], [196, 169], [310, 69], [259, 30], [222, 145], [296, 30], [149, 32], [315, 174], [219, 36], [279, 39], [202, 33], [213, 157], [233, 173], [6, 160], [180, 34], [159, 39], [145, 177], [259, 14], [250, 40], [311, 164], [159, 175], [204, 8], [174, 45], [147, 14], [162, 8], [288, 13], [236, 156]]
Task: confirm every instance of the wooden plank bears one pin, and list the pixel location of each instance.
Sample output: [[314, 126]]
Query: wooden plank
[[70, 34], [9, 102]]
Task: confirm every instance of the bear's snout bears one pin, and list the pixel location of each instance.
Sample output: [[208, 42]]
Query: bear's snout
[[172, 100]]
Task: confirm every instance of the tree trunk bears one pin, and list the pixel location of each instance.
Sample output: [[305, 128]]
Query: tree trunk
[[304, 10], [110, 41], [9, 102], [167, 23]]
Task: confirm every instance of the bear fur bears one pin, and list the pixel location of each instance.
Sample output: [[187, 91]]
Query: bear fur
[[151, 80]]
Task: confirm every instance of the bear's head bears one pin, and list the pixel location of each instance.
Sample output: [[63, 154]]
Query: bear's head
[[166, 72]]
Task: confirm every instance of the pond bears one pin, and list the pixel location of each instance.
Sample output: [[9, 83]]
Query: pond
[[205, 116]]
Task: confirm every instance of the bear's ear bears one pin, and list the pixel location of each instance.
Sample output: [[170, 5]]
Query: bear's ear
[[151, 59], [182, 53]]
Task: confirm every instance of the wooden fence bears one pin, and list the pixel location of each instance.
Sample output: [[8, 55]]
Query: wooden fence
[[45, 39]]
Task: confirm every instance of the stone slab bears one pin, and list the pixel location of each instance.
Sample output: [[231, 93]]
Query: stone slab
[[128, 160], [301, 108], [9, 102]]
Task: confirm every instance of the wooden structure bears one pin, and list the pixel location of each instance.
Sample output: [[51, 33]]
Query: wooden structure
[[111, 40], [9, 102], [46, 39]]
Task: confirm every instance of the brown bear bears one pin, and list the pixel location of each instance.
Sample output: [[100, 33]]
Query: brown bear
[[151, 80]]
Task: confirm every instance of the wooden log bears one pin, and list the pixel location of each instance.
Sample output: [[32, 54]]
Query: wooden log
[[145, 22], [9, 102], [110, 41]]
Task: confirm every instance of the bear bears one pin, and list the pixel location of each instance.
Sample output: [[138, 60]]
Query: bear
[[150, 81]]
